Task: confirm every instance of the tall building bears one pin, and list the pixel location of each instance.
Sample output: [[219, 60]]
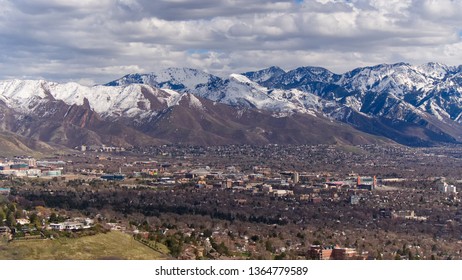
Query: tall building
[[445, 187]]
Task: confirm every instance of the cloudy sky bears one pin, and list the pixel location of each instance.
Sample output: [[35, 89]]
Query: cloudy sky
[[97, 41]]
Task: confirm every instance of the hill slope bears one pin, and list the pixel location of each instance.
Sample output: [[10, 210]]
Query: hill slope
[[112, 245]]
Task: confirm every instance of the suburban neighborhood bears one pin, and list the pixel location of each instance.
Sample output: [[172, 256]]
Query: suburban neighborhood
[[270, 202]]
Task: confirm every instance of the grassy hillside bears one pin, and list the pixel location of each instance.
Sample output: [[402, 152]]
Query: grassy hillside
[[112, 245], [14, 145]]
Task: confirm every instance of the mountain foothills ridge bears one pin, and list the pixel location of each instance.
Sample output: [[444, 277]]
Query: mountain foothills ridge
[[412, 105]]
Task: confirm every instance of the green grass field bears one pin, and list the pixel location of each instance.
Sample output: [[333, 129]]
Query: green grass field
[[112, 245]]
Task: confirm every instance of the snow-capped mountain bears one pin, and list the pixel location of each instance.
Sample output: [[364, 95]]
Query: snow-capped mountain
[[265, 75], [377, 91], [235, 90], [139, 114], [170, 78], [131, 100], [238, 90], [412, 105], [428, 96]]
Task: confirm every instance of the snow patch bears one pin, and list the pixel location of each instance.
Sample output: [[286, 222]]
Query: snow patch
[[194, 102]]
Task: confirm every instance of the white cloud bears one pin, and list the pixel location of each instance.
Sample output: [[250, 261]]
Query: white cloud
[[101, 40]]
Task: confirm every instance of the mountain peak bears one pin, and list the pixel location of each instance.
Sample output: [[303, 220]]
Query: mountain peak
[[134, 78], [171, 78], [264, 75], [435, 70], [414, 105]]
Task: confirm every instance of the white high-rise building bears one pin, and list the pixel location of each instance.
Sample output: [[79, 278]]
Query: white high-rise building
[[446, 188]]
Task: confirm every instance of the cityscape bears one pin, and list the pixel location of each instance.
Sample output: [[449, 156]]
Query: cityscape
[[243, 201], [230, 139]]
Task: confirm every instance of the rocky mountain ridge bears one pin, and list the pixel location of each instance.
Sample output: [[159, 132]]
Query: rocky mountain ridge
[[412, 105]]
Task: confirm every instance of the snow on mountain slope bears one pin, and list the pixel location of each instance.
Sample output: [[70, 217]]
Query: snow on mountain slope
[[393, 91], [397, 79], [101, 99], [170, 78], [195, 102], [133, 100], [428, 96], [239, 90], [372, 90], [248, 89], [236, 90], [190, 78], [23, 95], [396, 91], [434, 70], [265, 75], [173, 98], [432, 88], [304, 75]]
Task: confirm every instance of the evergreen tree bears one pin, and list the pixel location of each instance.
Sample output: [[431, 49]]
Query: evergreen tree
[[10, 220]]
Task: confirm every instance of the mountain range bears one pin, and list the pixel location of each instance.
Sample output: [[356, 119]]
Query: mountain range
[[411, 105]]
